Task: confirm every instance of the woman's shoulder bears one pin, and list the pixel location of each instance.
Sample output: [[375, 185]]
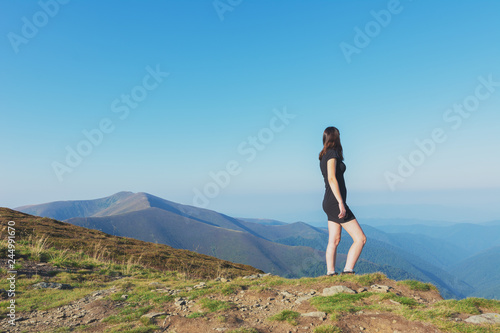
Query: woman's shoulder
[[331, 153]]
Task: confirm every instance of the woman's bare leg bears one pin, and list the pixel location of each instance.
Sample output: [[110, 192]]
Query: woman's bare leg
[[334, 231], [359, 240]]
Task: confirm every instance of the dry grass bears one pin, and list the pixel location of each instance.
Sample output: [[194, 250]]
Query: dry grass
[[127, 267], [37, 245], [103, 247]]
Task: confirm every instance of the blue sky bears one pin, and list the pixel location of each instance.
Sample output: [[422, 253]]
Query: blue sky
[[68, 67]]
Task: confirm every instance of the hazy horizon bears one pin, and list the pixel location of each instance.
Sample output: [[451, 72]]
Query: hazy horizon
[[447, 212]]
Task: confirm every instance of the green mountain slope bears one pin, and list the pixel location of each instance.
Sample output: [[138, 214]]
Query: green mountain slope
[[262, 221], [470, 237], [279, 232], [164, 227], [482, 271]]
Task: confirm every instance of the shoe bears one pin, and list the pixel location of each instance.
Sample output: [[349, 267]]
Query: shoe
[[348, 273], [332, 274]]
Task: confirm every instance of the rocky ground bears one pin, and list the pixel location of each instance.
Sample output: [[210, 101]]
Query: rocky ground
[[248, 309]]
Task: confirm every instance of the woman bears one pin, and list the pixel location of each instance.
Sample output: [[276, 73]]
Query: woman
[[334, 204]]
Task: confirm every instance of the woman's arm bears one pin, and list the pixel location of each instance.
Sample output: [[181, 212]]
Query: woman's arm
[[331, 166]]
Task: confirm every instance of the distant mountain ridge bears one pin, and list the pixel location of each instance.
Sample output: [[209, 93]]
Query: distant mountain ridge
[[63, 210], [286, 249]]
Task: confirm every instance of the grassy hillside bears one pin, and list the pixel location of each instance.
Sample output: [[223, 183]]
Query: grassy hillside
[[164, 227], [61, 235], [101, 296]]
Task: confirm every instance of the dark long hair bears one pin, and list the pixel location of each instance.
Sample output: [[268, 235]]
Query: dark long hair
[[331, 139]]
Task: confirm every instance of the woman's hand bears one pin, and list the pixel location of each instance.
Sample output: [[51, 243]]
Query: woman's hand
[[342, 210]]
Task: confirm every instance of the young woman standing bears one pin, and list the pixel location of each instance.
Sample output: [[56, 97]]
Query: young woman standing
[[335, 206]]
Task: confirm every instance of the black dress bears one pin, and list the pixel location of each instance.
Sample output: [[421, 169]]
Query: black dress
[[330, 204]]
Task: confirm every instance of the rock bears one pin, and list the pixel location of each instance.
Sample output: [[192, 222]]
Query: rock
[[200, 285], [51, 285], [393, 301], [180, 301], [124, 297], [220, 329], [380, 288], [157, 285], [316, 314], [224, 280], [485, 318], [361, 290], [256, 276], [287, 294], [303, 298], [337, 289], [154, 314], [161, 290]]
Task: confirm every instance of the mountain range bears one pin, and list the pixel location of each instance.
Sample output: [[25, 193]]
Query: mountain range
[[442, 255]]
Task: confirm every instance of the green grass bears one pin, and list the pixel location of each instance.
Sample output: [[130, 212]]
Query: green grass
[[327, 329], [441, 314], [340, 303], [470, 305], [408, 301], [195, 315], [212, 305], [38, 299], [417, 285], [222, 319], [288, 315], [129, 314], [132, 328], [230, 289], [243, 330], [364, 280]]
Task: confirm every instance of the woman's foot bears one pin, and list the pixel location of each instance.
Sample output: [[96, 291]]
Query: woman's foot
[[348, 273], [331, 273]]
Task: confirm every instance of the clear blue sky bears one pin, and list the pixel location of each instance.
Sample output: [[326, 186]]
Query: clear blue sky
[[68, 67]]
